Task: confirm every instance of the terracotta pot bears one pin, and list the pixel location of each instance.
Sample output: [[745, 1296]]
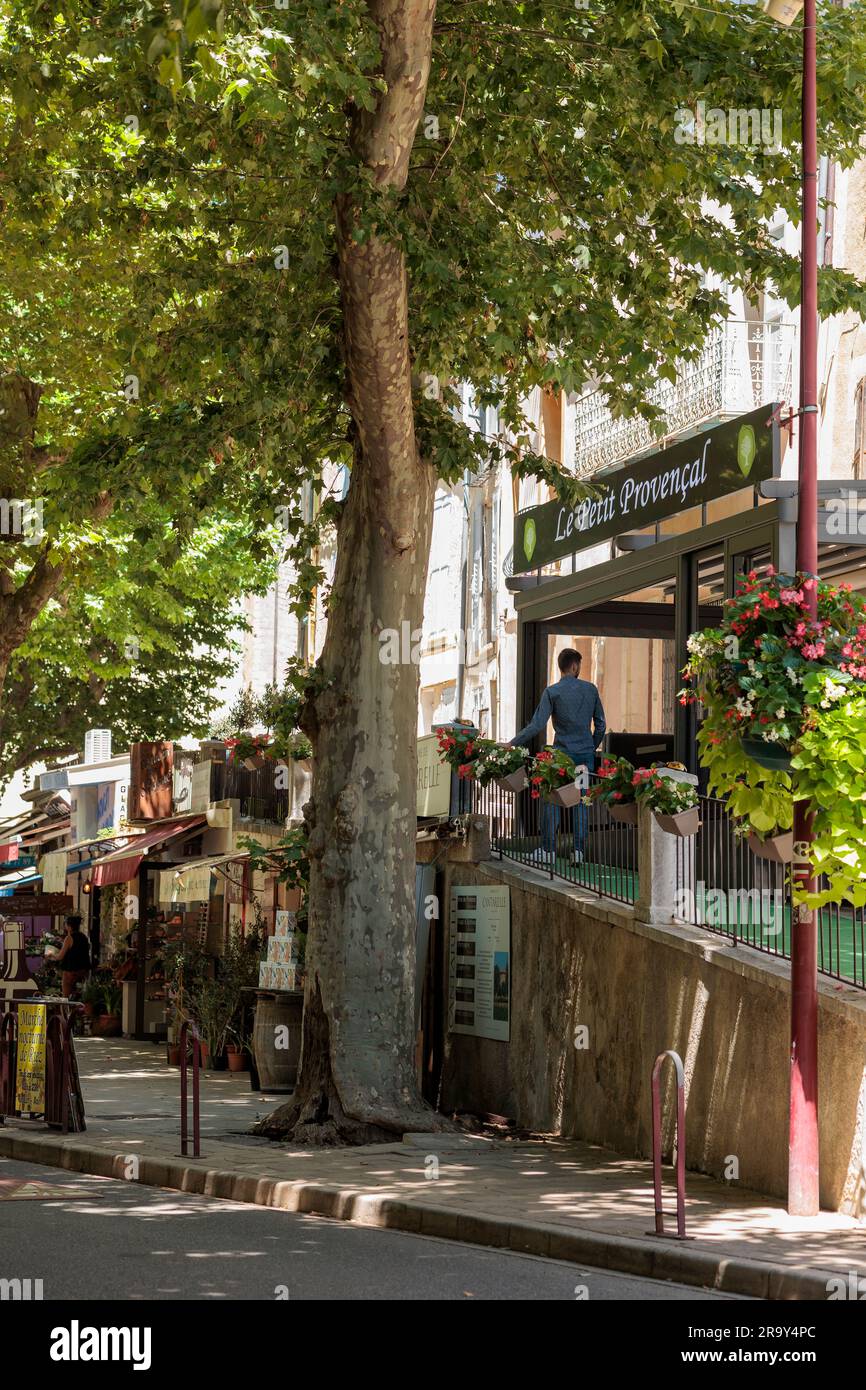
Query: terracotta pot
[[683, 823], [88, 1011], [568, 794], [237, 1061], [513, 781], [778, 849], [211, 1062], [174, 1055], [107, 1026], [625, 812]]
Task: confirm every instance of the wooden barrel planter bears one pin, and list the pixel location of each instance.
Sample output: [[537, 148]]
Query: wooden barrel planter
[[278, 1009]]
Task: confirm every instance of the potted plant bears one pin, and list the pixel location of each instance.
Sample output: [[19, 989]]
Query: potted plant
[[458, 747], [237, 1049], [91, 996], [503, 764], [107, 1023], [212, 1009], [290, 747], [552, 776], [777, 848], [674, 803], [615, 789], [249, 749], [784, 702]]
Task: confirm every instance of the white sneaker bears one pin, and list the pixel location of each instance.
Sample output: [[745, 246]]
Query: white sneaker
[[577, 857], [541, 856]]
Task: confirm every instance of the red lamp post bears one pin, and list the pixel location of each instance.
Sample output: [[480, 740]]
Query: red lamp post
[[803, 1189]]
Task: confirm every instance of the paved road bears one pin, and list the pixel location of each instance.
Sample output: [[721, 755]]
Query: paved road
[[119, 1241]]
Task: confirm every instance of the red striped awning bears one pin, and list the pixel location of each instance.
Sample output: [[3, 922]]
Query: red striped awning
[[117, 871], [122, 865]]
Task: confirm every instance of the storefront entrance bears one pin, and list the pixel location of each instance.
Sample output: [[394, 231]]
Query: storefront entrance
[[631, 617]]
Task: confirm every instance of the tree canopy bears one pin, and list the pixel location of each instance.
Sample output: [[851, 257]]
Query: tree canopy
[[250, 240]]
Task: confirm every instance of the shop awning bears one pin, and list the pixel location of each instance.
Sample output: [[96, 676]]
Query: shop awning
[[50, 831], [191, 883], [55, 865], [52, 867], [123, 865], [9, 882]]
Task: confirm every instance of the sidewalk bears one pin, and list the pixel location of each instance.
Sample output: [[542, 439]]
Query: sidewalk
[[554, 1198]]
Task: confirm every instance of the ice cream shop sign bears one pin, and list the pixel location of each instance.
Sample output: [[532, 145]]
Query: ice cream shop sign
[[720, 460]]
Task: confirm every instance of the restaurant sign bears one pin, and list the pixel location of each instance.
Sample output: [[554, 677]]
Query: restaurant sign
[[718, 461]]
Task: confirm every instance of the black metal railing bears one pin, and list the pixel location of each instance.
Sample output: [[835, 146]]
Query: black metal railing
[[579, 844], [261, 791], [723, 887]]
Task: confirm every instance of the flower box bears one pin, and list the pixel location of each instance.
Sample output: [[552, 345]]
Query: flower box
[[684, 823], [569, 795], [513, 781], [625, 812], [253, 763], [777, 849]]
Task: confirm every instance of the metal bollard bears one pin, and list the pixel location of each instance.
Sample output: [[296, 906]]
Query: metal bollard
[[196, 1117], [681, 1144]]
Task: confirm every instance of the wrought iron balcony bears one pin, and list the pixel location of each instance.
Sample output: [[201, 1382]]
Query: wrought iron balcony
[[743, 365]]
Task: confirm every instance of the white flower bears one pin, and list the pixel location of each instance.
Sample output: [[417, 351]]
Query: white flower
[[780, 712], [792, 675]]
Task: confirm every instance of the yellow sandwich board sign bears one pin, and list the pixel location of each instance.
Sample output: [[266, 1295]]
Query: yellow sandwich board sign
[[30, 1072]]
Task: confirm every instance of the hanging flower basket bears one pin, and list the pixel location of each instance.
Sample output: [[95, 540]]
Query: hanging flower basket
[[776, 849], [683, 823], [253, 763], [771, 756], [552, 776], [513, 781], [625, 812], [569, 795]]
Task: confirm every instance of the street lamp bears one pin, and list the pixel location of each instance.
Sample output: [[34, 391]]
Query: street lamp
[[803, 1189]]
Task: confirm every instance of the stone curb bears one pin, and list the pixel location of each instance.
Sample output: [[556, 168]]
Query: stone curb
[[648, 1259]]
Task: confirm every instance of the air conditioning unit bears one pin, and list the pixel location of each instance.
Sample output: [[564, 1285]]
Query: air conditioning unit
[[97, 745]]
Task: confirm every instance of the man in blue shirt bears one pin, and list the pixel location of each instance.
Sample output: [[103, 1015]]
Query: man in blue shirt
[[578, 728]]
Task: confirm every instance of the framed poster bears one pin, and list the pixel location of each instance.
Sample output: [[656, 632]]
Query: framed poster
[[479, 961]]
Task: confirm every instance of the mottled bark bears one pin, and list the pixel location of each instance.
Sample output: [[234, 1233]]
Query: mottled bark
[[357, 1078]]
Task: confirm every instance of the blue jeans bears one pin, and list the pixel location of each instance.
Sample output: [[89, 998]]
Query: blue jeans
[[550, 814]]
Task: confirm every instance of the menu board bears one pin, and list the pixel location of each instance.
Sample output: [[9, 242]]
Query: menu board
[[479, 961]]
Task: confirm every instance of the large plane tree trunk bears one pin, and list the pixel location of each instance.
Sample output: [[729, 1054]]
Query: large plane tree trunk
[[357, 1080]]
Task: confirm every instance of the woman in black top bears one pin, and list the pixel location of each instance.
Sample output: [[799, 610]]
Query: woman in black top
[[75, 955]]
